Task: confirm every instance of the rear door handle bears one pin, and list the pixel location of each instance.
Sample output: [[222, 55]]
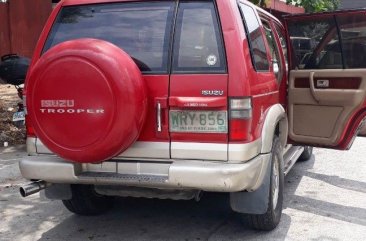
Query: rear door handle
[[322, 83], [158, 117], [161, 126], [312, 87]]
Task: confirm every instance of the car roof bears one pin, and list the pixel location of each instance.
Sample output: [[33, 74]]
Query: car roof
[[81, 2]]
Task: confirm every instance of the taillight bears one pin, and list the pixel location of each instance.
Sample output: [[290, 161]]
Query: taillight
[[240, 115], [28, 125]]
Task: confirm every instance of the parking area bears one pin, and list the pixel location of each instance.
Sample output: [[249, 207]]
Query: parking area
[[325, 199]]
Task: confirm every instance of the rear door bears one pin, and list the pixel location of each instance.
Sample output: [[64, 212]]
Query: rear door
[[198, 118], [143, 29], [327, 83], [145, 32]]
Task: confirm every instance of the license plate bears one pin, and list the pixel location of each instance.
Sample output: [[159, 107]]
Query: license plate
[[198, 121], [19, 116]]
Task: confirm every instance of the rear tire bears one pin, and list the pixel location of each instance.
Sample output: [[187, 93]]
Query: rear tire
[[306, 154], [86, 202], [269, 220]]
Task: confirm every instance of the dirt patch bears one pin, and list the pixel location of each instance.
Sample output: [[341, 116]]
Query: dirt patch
[[8, 106]]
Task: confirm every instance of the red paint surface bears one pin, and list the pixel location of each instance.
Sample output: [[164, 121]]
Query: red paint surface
[[4, 30], [26, 25]]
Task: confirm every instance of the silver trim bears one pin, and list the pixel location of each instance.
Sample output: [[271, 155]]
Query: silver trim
[[31, 146], [139, 149], [151, 151], [158, 117], [265, 94], [142, 149], [276, 114], [291, 157], [180, 174], [41, 148], [199, 151], [244, 152], [275, 187]]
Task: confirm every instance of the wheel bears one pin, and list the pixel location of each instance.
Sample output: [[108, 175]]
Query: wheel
[[269, 220], [85, 201], [306, 154]]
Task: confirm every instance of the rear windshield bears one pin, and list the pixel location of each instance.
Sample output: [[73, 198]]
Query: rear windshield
[[143, 30]]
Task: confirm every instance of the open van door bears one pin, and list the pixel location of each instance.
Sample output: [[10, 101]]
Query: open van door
[[327, 81]]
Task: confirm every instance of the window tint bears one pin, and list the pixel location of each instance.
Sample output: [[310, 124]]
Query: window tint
[[198, 43], [255, 38], [143, 30], [274, 52], [316, 43], [353, 31]]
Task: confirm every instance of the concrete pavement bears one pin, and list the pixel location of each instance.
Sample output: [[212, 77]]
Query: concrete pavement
[[325, 199]]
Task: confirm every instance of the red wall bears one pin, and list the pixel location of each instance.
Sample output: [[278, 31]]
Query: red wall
[[4, 29], [21, 22]]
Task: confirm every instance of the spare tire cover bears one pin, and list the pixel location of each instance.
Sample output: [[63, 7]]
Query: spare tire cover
[[86, 100]]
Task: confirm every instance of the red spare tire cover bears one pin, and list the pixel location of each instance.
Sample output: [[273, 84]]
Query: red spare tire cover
[[86, 100]]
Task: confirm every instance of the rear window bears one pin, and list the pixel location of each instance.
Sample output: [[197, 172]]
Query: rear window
[[143, 30], [198, 43], [329, 42]]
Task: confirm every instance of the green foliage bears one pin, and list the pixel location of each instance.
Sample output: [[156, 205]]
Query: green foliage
[[315, 5], [261, 3]]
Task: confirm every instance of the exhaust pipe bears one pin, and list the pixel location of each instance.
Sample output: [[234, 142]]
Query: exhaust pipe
[[33, 188]]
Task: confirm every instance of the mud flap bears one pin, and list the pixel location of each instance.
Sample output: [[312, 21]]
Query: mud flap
[[253, 202]]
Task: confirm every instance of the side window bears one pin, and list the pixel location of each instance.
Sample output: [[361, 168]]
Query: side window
[[255, 38], [198, 45], [353, 31], [282, 38], [315, 43], [274, 51]]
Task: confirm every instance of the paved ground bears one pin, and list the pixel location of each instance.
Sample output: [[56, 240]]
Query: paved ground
[[325, 199]]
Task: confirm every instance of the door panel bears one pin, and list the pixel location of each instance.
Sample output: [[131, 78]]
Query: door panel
[[319, 114], [327, 83]]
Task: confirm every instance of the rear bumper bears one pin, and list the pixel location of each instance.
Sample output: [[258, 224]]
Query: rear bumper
[[180, 174]]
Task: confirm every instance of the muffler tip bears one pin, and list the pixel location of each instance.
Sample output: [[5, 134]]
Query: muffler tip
[[33, 188], [22, 192]]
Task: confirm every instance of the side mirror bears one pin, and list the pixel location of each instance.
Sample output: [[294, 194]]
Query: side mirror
[[13, 69]]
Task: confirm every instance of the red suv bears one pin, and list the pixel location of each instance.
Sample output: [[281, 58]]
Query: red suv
[[166, 99]]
